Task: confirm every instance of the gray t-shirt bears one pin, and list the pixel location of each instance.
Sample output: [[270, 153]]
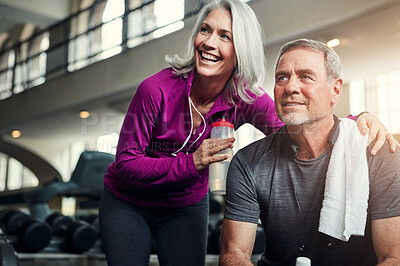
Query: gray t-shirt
[[267, 181]]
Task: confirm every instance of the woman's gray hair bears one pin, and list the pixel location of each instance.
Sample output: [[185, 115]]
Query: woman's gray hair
[[249, 73], [333, 63]]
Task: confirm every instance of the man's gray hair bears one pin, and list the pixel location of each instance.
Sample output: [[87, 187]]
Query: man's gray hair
[[333, 63], [249, 73]]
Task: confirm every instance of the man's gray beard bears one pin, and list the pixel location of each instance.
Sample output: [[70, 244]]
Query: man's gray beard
[[294, 119]]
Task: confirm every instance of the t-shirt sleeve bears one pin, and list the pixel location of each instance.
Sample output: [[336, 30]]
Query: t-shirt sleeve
[[241, 195], [384, 171]]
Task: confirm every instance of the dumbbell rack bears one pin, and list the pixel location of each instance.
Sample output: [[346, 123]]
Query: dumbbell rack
[[53, 254], [49, 256], [66, 259], [86, 259], [60, 259]]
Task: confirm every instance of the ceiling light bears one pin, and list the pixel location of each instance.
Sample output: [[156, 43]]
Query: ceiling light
[[84, 114], [15, 134], [332, 43]]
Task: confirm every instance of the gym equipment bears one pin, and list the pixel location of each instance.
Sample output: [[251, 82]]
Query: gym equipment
[[44, 171], [92, 219], [215, 221], [86, 182], [214, 237], [8, 257], [27, 234], [259, 243], [216, 204], [73, 236]]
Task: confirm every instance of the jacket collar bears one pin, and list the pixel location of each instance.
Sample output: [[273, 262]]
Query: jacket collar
[[221, 104]]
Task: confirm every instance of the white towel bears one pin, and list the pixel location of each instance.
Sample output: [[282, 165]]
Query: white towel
[[344, 208]]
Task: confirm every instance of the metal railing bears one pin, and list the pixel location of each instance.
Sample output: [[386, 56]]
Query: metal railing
[[58, 58]]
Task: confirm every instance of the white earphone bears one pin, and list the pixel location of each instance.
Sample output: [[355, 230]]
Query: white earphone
[[191, 128]]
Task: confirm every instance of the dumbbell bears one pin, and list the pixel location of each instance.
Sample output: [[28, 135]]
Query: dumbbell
[[214, 237], [26, 233], [8, 256], [78, 236], [92, 219]]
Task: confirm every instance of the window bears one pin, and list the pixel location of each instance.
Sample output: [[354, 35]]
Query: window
[[111, 31], [379, 95], [78, 51], [385, 100], [140, 21], [7, 60], [102, 41], [95, 36], [99, 30], [38, 57], [153, 20], [168, 16], [16, 176], [3, 171], [21, 69], [31, 60]]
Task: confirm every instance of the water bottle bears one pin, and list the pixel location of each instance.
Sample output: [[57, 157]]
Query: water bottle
[[303, 261], [218, 170]]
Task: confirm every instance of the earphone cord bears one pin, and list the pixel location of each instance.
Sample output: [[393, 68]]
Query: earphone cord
[[191, 127], [204, 122]]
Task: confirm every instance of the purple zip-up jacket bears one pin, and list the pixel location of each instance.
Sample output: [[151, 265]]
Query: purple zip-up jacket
[[157, 123]]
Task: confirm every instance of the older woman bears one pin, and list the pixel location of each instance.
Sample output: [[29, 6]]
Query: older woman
[[156, 190]]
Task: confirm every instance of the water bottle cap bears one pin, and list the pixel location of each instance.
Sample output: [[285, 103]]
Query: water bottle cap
[[222, 123], [303, 261]]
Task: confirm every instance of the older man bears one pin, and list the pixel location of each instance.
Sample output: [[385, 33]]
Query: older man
[[283, 178]]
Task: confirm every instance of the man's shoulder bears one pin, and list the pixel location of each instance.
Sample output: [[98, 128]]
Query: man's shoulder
[[264, 147], [384, 157], [384, 164], [384, 175]]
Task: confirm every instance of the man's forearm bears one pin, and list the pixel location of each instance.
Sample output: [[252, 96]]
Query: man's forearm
[[389, 261], [234, 259], [237, 241]]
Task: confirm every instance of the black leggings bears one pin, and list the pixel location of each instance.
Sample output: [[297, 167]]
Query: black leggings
[[127, 232]]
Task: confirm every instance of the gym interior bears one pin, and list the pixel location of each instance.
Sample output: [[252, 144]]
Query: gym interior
[[69, 69]]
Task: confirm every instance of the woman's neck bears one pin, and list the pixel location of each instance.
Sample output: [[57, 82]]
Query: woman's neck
[[205, 91]]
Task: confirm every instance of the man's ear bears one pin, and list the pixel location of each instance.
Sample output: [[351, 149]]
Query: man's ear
[[337, 87]]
